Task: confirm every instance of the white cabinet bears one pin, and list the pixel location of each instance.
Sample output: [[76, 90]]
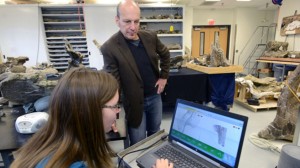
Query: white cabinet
[[63, 23], [168, 23]]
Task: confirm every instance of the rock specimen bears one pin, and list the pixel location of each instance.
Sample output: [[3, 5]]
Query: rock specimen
[[217, 57], [294, 54], [261, 87], [23, 88], [176, 62], [14, 64], [276, 49], [277, 45], [283, 126], [76, 57]]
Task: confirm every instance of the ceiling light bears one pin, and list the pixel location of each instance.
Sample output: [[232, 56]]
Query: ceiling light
[[60, 1], [212, 0], [108, 2], [243, 0]]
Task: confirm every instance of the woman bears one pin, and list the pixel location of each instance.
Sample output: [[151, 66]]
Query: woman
[[83, 106]]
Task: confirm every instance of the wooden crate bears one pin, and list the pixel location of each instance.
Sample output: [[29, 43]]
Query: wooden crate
[[241, 92], [270, 104]]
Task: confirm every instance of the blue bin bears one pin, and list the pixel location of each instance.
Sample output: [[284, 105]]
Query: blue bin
[[278, 70]]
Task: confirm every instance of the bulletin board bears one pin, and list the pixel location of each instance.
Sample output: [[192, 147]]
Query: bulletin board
[[290, 25]]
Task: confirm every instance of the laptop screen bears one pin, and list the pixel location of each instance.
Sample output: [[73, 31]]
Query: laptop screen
[[215, 133]]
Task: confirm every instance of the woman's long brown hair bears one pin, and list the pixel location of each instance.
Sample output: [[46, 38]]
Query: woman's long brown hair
[[74, 131]]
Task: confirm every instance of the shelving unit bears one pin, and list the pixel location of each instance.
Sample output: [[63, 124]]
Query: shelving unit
[[63, 23], [168, 23]]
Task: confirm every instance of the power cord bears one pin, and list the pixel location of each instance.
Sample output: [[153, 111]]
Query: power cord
[[161, 139], [263, 143]]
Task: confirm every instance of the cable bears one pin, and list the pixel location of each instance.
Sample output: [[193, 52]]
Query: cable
[[263, 143], [161, 139]]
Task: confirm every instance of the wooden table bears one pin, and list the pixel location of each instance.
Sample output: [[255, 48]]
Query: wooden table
[[186, 84], [283, 61]]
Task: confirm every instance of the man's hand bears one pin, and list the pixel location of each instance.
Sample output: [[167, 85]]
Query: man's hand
[[161, 83]]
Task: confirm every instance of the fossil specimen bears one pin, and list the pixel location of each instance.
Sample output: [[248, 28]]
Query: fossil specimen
[[276, 49], [76, 57], [261, 87], [283, 126], [217, 57], [14, 64], [275, 45], [23, 88]]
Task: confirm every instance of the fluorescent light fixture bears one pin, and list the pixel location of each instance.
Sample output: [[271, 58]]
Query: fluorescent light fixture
[[212, 0], [108, 2], [60, 1], [160, 4]]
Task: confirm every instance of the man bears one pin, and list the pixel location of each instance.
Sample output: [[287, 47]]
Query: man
[[134, 56]]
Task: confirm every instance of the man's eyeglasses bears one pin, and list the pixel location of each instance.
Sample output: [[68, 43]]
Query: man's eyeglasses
[[114, 107]]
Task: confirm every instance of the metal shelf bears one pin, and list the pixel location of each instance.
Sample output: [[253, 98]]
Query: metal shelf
[[64, 23], [160, 20]]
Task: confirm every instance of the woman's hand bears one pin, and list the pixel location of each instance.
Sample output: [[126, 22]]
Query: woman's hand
[[163, 163]]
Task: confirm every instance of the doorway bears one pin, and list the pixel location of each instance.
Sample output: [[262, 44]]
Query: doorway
[[204, 36]]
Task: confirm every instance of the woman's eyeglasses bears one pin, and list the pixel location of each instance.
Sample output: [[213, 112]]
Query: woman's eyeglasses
[[114, 107]]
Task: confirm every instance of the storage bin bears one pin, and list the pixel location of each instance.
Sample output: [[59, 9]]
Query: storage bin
[[278, 70]]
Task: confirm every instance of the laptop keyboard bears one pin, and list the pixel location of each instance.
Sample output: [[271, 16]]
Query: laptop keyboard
[[177, 158]]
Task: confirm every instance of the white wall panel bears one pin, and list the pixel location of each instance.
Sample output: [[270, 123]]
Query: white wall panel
[[19, 33], [100, 25]]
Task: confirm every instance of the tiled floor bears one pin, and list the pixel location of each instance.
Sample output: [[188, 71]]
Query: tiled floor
[[252, 156]]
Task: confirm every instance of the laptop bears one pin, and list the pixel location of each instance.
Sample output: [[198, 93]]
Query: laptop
[[205, 136]]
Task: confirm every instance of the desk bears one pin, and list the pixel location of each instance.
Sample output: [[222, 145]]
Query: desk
[[222, 90], [186, 84], [277, 61], [222, 80], [11, 140]]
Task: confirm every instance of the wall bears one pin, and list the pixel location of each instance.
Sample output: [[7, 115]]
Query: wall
[[288, 9], [221, 17], [187, 29], [21, 33], [247, 21], [100, 25], [243, 22]]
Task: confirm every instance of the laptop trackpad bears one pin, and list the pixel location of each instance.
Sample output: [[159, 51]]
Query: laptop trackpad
[[146, 162]]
